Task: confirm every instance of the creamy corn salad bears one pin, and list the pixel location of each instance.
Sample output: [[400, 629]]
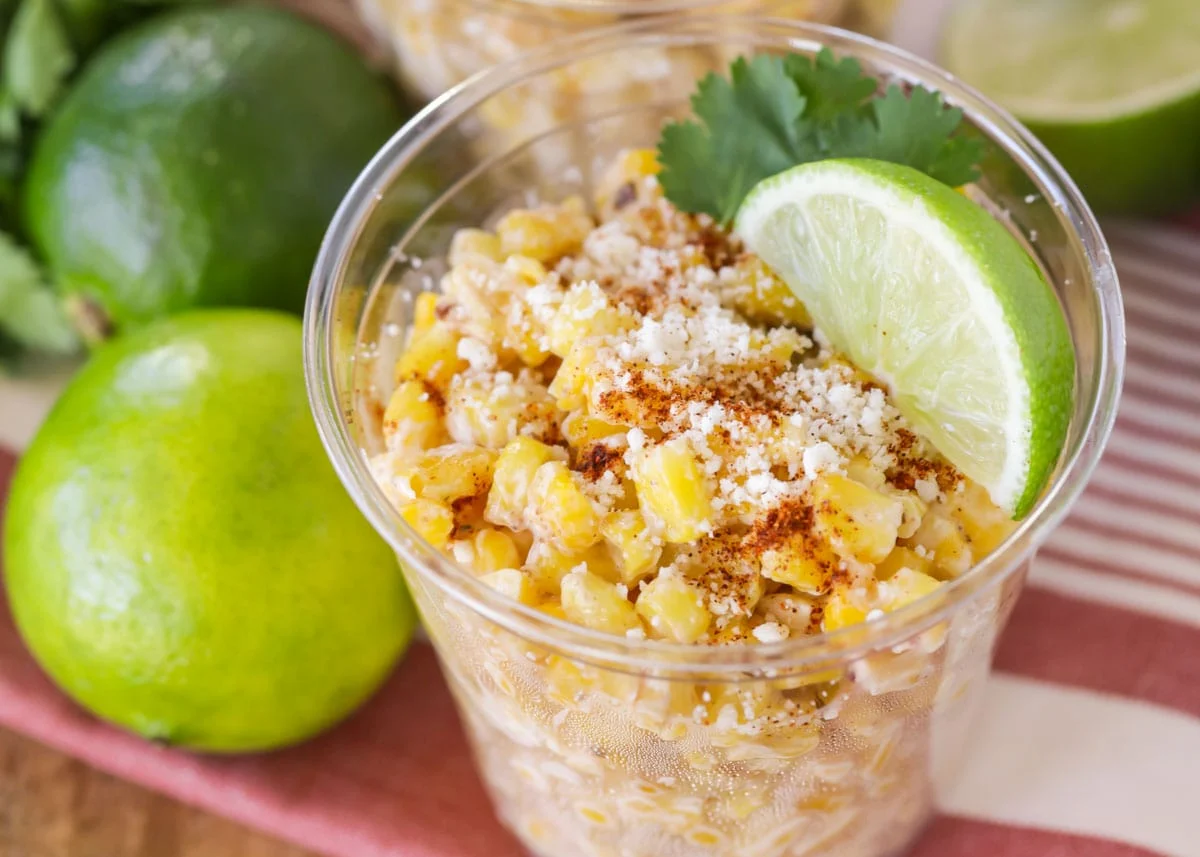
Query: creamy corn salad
[[614, 414]]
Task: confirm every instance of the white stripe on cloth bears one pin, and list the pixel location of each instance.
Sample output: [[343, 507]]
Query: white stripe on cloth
[[1125, 553], [1069, 579], [1076, 761]]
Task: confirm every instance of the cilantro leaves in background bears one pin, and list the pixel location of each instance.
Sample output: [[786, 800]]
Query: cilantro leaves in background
[[773, 113], [31, 314], [42, 43]]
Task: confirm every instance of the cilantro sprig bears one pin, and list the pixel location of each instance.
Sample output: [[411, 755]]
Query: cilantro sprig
[[774, 112]]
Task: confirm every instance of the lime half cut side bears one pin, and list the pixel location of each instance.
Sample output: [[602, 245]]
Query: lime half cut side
[[923, 289], [1111, 86]]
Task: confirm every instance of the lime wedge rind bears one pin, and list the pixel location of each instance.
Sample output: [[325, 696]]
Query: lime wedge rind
[[925, 290]]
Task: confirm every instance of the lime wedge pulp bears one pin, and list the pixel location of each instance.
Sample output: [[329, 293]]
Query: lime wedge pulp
[[923, 289], [1111, 86]]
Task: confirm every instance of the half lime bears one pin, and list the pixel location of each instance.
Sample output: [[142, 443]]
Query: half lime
[[1111, 86], [923, 289]]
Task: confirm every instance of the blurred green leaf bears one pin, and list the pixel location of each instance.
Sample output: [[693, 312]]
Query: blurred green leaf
[[31, 313], [37, 56]]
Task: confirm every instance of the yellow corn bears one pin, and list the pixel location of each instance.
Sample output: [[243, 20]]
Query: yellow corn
[[559, 511], [548, 565], [805, 563], [841, 611], [490, 410], [492, 550], [432, 356], [474, 287], [674, 609], [433, 521], [573, 381], [902, 557], [424, 312], [907, 586], [412, 420], [581, 429], [913, 509], [449, 472], [545, 233], [754, 291], [631, 167], [862, 470], [585, 311], [467, 243], [942, 538], [508, 499], [985, 525], [859, 522], [632, 546], [513, 583], [595, 603], [672, 487]]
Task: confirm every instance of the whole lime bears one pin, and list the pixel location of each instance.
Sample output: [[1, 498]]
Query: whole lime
[[198, 160], [180, 556]]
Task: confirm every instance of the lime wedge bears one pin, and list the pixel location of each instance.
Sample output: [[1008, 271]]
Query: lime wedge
[[923, 289], [1111, 86]]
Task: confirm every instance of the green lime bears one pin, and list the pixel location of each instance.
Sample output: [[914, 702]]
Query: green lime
[[199, 159], [923, 289], [179, 554], [1111, 86]]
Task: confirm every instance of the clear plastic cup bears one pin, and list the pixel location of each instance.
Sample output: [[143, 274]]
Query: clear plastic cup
[[592, 744]]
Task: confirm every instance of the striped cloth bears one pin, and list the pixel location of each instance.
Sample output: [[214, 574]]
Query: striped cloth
[[1090, 738]]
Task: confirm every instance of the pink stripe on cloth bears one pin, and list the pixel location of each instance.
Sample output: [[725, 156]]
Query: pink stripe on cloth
[[951, 836], [1056, 638]]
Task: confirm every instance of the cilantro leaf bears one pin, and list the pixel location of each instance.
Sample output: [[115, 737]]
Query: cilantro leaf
[[751, 130], [831, 86], [37, 56], [774, 113], [30, 312], [915, 130]]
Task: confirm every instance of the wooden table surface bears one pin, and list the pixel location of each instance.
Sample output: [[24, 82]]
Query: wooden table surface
[[55, 806]]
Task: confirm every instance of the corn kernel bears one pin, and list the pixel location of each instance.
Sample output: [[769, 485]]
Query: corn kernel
[[788, 609], [585, 311], [473, 242], [805, 563], [942, 538], [672, 487], [548, 565], [491, 409], [412, 420], [913, 509], [624, 176], [432, 356], [632, 546], [985, 525], [752, 289], [595, 603], [508, 498], [559, 511], [902, 557], [513, 583], [581, 429], [493, 550], [544, 233], [433, 521], [450, 472], [424, 312], [573, 381], [674, 609], [907, 586], [479, 306], [841, 611], [859, 522]]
